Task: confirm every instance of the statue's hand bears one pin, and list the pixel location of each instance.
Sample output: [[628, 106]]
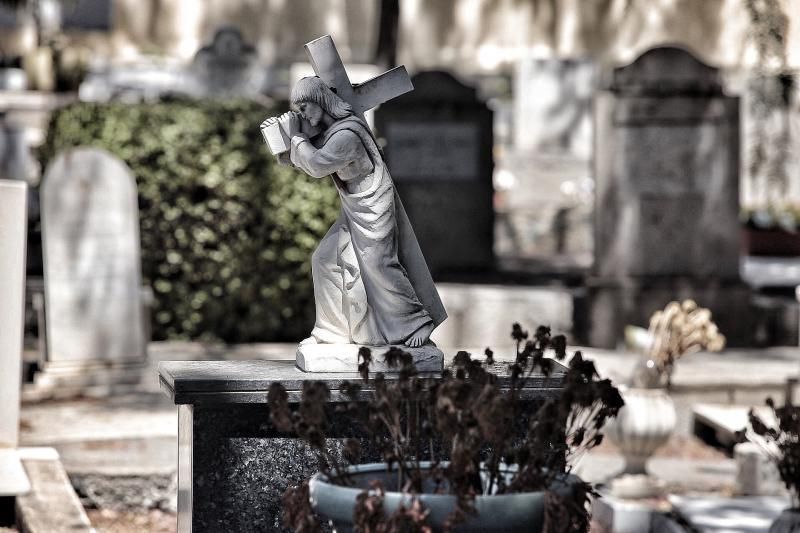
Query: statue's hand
[[290, 122], [284, 159]]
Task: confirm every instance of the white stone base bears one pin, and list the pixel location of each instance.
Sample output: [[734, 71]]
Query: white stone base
[[344, 358], [637, 486], [620, 515], [13, 480]]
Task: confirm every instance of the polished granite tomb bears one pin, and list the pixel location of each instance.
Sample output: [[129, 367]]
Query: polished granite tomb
[[233, 465]]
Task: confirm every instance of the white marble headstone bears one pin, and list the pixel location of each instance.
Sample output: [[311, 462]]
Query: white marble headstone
[[13, 226], [90, 234]]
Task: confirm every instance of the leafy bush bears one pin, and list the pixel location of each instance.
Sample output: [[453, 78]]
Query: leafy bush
[[227, 234]]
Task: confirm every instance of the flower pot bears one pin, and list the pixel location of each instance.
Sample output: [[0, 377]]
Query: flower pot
[[520, 512], [787, 522], [642, 426]]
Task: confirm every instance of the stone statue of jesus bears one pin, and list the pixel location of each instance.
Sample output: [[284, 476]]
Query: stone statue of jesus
[[371, 283]]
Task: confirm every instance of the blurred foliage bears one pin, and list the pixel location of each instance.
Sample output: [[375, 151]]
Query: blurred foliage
[[227, 234]]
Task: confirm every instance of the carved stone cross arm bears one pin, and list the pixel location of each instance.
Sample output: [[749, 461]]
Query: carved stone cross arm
[[364, 96]]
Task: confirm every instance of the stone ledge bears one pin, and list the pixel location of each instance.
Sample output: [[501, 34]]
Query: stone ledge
[[344, 358], [13, 480], [226, 382], [52, 504]]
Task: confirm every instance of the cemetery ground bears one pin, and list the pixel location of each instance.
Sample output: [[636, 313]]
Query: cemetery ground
[[120, 451]]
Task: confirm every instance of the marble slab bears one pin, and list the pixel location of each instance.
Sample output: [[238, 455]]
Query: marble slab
[[344, 358]]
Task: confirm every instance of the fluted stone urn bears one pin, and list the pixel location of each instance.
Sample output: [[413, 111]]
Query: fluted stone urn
[[642, 426]]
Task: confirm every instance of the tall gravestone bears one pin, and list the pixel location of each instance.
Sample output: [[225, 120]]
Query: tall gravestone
[[667, 196], [90, 233], [439, 150], [13, 228]]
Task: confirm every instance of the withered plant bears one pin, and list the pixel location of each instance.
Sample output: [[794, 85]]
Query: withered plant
[[778, 435], [469, 432]]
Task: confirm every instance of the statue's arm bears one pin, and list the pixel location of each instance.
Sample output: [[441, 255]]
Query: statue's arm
[[340, 150]]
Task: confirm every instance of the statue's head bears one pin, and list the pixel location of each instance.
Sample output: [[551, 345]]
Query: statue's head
[[311, 97]]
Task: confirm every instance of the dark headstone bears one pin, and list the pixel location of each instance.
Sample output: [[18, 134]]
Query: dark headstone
[[667, 195], [9, 17], [439, 151], [96, 15]]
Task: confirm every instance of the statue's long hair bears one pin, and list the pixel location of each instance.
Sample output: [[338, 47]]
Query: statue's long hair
[[313, 89]]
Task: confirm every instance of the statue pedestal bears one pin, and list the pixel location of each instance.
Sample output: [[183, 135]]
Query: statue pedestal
[[344, 358], [229, 451]]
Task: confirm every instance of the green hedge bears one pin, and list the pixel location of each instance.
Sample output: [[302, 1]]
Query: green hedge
[[227, 234]]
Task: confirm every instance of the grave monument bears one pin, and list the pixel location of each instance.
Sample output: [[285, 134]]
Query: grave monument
[[372, 286], [90, 232], [233, 463], [13, 226], [667, 196], [229, 66], [439, 143]]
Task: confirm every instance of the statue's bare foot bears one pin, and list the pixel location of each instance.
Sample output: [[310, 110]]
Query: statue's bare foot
[[310, 340], [421, 336]]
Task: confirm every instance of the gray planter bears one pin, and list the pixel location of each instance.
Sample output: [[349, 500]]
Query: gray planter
[[787, 522], [509, 513]]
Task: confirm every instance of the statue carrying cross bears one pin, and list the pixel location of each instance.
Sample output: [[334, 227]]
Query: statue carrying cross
[[372, 286]]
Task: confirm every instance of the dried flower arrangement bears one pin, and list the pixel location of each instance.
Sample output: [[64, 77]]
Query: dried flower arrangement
[[781, 442], [678, 330], [468, 433]]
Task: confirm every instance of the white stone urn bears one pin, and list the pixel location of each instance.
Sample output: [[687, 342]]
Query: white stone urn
[[642, 426]]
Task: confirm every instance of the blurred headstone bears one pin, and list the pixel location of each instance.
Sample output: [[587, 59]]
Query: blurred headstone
[[90, 232], [229, 66], [9, 16], [13, 227], [439, 152], [552, 106], [142, 81], [667, 196], [16, 162], [95, 15]]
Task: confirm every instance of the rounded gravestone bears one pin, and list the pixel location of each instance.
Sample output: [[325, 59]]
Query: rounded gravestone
[[90, 237]]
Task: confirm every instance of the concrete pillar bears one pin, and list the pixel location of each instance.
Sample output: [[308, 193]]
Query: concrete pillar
[[13, 231]]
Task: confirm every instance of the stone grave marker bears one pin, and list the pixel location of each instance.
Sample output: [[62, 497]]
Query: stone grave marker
[[667, 196], [439, 152], [229, 66], [90, 233], [552, 106], [93, 15], [13, 231]]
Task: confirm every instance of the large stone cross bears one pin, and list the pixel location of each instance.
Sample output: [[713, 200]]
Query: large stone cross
[[362, 96]]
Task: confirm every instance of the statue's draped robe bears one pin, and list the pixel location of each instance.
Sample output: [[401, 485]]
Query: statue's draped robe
[[371, 282]]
